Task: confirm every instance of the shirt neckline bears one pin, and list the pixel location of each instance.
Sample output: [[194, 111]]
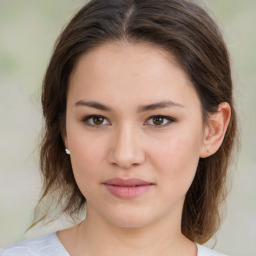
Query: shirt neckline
[[67, 254], [60, 245]]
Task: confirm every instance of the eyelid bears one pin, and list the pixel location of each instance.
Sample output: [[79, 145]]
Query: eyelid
[[170, 120], [86, 118]]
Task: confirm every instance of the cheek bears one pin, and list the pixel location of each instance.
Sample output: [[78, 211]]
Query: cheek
[[86, 157], [177, 161]]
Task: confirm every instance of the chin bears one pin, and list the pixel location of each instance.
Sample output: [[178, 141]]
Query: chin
[[130, 219]]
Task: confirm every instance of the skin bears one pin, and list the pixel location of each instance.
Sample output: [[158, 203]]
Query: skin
[[126, 143]]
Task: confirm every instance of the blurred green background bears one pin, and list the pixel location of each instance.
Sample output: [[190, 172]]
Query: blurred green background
[[28, 30]]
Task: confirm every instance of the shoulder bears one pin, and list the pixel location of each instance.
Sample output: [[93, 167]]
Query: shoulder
[[204, 251], [47, 245]]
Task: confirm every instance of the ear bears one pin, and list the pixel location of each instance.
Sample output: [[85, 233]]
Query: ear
[[215, 130]]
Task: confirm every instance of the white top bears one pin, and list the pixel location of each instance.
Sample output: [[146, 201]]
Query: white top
[[50, 245]]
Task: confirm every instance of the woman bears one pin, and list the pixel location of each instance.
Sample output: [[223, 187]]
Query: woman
[[139, 125]]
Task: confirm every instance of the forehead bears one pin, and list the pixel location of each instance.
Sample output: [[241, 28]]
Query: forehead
[[118, 55], [139, 70]]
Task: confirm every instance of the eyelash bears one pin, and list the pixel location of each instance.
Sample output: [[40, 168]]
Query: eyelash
[[169, 120]]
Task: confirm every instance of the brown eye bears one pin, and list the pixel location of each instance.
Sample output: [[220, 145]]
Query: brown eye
[[160, 121], [98, 120], [95, 120], [157, 120]]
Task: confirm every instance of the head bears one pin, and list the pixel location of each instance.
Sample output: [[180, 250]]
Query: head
[[185, 39]]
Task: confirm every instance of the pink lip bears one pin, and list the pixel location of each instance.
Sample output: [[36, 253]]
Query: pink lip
[[127, 188]]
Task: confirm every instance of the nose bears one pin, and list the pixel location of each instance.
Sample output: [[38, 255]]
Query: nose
[[126, 148]]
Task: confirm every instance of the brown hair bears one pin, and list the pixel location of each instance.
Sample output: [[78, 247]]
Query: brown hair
[[180, 27]]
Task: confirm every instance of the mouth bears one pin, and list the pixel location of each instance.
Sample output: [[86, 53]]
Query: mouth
[[127, 188]]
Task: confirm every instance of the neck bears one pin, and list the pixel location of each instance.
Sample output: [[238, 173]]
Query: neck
[[98, 237]]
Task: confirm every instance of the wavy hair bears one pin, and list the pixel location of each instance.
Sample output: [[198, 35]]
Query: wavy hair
[[180, 27]]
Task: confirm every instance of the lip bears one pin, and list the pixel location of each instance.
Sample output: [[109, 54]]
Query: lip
[[127, 188]]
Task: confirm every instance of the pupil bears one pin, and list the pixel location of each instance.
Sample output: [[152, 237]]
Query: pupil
[[97, 120], [158, 120]]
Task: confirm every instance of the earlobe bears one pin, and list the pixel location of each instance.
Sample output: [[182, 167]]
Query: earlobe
[[66, 145], [215, 130]]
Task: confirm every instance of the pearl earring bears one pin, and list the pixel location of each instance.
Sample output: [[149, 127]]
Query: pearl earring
[[67, 151]]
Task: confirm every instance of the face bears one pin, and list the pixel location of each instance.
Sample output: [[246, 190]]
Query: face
[[135, 132]]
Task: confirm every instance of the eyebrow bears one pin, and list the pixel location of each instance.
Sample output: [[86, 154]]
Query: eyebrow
[[143, 108], [163, 104], [93, 104]]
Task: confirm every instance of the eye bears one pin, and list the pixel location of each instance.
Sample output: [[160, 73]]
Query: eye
[[160, 121], [95, 120]]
